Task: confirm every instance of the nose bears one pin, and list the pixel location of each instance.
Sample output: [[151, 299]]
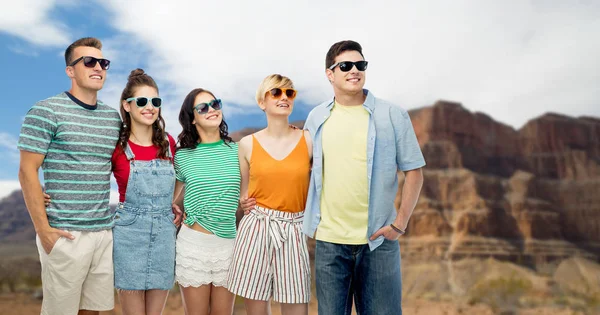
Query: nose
[[97, 66], [210, 109]]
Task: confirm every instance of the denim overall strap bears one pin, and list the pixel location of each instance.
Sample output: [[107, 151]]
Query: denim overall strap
[[169, 153], [128, 152]]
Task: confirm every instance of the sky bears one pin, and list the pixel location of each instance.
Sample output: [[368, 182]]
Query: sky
[[513, 60]]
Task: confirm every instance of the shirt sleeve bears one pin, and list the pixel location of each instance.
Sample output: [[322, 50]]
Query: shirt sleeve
[[408, 152], [38, 129]]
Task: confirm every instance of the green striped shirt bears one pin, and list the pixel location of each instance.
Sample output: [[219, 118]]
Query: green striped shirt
[[211, 173], [78, 141]]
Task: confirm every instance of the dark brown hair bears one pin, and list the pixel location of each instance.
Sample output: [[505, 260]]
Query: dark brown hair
[[188, 138], [338, 48], [86, 42], [138, 78]]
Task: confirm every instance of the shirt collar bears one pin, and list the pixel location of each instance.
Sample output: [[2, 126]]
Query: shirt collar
[[369, 104]]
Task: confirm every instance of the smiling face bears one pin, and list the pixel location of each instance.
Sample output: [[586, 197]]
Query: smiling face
[[85, 78], [144, 116], [350, 82], [277, 102], [210, 120]]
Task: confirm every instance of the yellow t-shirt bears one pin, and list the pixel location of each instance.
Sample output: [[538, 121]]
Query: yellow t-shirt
[[345, 195]]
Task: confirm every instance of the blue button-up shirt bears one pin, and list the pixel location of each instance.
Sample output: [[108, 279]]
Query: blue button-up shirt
[[391, 146]]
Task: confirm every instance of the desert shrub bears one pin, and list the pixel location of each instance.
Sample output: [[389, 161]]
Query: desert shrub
[[501, 294]]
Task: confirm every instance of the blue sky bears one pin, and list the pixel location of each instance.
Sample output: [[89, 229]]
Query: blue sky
[[513, 60]]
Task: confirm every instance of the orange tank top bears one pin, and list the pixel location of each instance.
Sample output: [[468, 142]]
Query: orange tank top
[[280, 184]]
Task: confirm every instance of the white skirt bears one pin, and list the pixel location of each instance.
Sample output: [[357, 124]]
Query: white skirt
[[202, 258]]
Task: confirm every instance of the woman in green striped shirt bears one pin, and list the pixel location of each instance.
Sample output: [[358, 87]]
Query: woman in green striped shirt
[[208, 188]]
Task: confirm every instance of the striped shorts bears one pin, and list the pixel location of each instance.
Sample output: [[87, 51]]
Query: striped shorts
[[270, 258]]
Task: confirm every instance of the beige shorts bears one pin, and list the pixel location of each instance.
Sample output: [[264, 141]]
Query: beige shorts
[[78, 274]]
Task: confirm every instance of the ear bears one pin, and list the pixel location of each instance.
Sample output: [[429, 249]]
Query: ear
[[329, 74], [70, 72], [262, 106], [126, 106]]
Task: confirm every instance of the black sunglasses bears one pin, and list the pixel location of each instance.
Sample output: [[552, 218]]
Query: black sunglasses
[[346, 66], [143, 101], [90, 62], [202, 108], [277, 92]]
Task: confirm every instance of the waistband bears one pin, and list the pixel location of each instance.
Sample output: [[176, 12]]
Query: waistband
[[276, 215], [274, 220], [125, 206]]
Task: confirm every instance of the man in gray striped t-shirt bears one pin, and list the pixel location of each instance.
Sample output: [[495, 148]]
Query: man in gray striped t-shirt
[[71, 136]]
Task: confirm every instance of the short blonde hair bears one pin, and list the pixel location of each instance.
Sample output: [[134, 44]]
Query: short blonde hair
[[271, 82]]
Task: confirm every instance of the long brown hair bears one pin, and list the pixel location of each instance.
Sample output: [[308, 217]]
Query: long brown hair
[[188, 138], [136, 79]]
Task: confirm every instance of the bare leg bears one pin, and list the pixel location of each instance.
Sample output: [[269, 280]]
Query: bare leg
[[221, 301], [132, 302], [86, 312], [257, 307], [294, 309], [155, 301], [196, 301]]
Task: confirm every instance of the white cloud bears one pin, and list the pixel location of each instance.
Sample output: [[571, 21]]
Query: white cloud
[[512, 60], [32, 21], [7, 187], [8, 145], [22, 50]]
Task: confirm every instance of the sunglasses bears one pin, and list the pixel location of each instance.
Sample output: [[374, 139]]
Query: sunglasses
[[202, 108], [142, 101], [277, 92], [90, 62], [346, 66]]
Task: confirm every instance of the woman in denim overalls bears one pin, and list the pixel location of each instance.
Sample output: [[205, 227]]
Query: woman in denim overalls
[[144, 232]]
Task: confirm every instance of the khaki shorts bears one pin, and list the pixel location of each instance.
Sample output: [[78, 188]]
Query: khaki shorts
[[78, 274]]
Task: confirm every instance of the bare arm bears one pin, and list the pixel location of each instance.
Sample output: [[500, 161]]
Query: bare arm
[[413, 182], [309, 144], [179, 193], [177, 204], [34, 199], [244, 153]]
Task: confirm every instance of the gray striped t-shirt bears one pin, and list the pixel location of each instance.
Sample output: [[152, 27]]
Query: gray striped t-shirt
[[78, 141]]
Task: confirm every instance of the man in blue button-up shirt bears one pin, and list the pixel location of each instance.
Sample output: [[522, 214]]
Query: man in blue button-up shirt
[[360, 143]]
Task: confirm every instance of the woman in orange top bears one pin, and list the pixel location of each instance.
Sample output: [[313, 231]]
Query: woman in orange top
[[270, 258]]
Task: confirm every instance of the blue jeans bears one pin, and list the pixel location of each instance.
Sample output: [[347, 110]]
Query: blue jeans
[[372, 278]]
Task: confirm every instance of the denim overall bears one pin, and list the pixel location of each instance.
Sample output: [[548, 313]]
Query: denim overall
[[144, 233]]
